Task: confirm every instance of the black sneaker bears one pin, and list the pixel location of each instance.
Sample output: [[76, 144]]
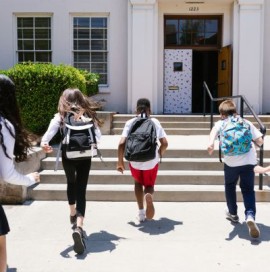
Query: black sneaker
[[79, 245], [231, 217]]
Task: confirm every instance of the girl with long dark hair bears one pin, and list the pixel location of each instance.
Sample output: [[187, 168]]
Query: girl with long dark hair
[[15, 142]]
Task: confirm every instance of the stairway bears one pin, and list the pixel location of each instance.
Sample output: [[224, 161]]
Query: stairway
[[181, 124], [186, 173]]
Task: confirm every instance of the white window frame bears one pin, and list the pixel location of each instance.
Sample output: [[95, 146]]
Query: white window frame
[[102, 87], [31, 15]]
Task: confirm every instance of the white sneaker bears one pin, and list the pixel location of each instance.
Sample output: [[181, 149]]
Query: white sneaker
[[254, 231], [141, 215]]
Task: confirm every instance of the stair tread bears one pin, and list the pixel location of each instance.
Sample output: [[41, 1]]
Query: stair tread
[[114, 159], [127, 187], [127, 172]]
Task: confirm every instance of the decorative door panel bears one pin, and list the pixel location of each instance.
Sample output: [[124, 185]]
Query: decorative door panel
[[177, 81]]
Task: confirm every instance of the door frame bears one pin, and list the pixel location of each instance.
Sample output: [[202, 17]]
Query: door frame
[[197, 47]]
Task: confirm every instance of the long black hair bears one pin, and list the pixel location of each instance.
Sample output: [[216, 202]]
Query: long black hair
[[10, 111]]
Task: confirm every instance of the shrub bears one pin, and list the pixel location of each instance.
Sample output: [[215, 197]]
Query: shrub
[[39, 87], [92, 81]]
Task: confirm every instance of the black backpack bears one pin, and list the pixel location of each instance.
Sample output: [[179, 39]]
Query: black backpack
[[79, 138], [141, 142]]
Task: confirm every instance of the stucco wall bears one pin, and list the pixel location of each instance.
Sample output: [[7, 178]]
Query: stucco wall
[[266, 57]]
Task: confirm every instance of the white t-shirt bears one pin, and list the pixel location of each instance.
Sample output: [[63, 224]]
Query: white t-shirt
[[160, 134], [249, 158], [8, 173]]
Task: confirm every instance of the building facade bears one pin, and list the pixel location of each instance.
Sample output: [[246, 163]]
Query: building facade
[[160, 49]]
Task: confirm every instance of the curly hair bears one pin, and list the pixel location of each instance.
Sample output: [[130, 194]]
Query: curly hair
[[10, 111]]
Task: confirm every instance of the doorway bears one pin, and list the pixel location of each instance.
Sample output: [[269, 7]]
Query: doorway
[[201, 35], [204, 68]]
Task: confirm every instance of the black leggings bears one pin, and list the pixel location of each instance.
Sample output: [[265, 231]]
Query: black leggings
[[4, 227], [77, 173]]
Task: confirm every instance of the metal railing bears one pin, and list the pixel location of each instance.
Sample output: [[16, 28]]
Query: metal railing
[[243, 101]]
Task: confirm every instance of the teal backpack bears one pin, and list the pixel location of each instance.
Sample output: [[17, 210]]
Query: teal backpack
[[234, 137]]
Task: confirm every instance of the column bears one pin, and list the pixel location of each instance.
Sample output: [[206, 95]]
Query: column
[[142, 52], [250, 51]]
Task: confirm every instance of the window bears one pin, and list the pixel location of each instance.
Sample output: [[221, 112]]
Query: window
[[34, 39], [90, 50], [193, 31]]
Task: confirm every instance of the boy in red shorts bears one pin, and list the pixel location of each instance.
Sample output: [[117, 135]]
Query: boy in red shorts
[[144, 173]]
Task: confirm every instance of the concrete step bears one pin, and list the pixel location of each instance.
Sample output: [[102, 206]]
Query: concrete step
[[174, 193], [193, 164], [182, 124], [172, 124], [186, 118], [166, 164], [179, 147], [114, 177], [174, 131], [164, 177]]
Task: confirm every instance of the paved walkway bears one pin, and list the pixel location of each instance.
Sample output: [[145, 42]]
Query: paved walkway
[[182, 237]]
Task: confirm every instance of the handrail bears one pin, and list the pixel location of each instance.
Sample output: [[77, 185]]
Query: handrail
[[242, 101]]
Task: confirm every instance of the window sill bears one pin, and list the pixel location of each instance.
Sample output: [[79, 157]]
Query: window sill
[[103, 90]]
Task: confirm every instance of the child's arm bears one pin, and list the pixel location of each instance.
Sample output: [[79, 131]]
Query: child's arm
[[261, 170], [259, 141], [212, 137], [121, 149], [163, 146]]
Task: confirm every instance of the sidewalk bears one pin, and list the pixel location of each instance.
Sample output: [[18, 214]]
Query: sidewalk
[[187, 237]]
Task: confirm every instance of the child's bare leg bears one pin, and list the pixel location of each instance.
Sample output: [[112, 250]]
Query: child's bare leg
[[3, 254], [138, 188], [72, 209], [73, 215]]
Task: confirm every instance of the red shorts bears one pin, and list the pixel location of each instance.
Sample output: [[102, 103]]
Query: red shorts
[[145, 177]]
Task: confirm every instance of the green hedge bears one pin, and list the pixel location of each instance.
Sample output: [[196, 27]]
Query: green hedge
[[39, 87]]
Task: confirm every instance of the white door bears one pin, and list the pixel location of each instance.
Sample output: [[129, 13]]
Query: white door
[[177, 81]]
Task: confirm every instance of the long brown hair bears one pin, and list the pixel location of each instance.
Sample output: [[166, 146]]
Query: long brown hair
[[9, 110], [73, 100]]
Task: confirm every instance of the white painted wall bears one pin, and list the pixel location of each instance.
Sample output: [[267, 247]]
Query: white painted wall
[[266, 59], [62, 12], [142, 53], [248, 58]]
